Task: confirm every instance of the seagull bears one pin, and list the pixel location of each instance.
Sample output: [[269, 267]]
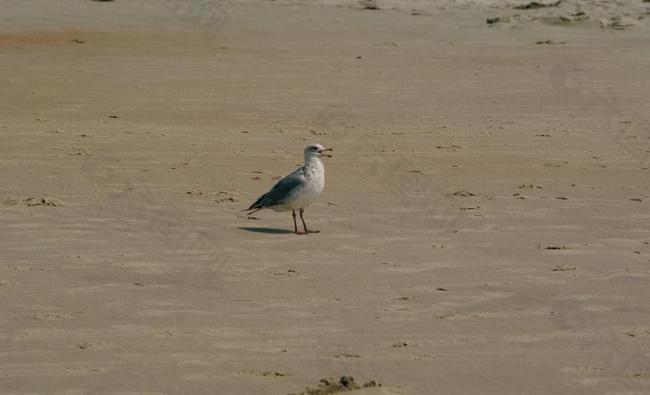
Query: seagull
[[297, 190]]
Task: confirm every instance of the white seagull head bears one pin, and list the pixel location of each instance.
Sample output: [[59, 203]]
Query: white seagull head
[[316, 150]]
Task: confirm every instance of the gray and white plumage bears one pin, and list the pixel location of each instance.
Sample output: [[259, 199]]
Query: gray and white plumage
[[299, 189]]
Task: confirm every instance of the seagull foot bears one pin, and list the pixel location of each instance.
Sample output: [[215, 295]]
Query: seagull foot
[[306, 232]]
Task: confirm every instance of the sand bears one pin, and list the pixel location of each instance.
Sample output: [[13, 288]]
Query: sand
[[485, 227]]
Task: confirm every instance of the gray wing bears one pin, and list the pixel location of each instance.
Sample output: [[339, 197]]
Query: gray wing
[[280, 191]]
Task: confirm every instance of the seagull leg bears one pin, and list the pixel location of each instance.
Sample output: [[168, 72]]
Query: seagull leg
[[302, 210], [295, 224]]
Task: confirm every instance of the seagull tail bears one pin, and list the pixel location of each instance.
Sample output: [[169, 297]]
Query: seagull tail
[[257, 206]]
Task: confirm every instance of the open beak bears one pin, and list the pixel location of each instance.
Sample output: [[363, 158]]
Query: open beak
[[326, 149]]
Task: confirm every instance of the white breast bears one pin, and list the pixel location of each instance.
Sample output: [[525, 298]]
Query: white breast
[[314, 173]]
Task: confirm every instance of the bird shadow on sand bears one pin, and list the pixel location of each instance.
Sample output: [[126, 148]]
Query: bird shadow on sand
[[265, 230]]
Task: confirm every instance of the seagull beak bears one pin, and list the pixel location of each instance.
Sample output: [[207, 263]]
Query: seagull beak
[[326, 149]]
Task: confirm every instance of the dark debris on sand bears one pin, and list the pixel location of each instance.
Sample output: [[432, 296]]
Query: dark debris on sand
[[32, 201], [369, 5], [332, 386], [498, 19], [533, 5]]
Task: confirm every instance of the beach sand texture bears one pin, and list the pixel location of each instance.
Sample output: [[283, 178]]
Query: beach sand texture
[[485, 227]]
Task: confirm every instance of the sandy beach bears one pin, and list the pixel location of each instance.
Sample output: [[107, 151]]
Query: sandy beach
[[485, 225]]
